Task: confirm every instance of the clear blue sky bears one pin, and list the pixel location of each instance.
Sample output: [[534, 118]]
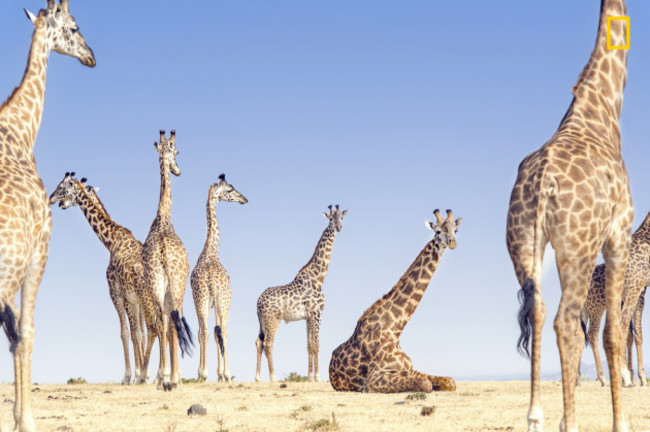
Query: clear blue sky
[[389, 108]]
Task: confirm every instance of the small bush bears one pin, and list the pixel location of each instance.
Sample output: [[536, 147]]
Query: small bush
[[325, 424], [78, 380], [417, 396], [306, 407], [427, 410], [189, 380], [295, 377]]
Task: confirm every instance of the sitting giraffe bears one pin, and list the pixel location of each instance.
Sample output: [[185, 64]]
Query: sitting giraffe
[[372, 360], [124, 273], [166, 270], [25, 216], [211, 284], [302, 299], [637, 278]]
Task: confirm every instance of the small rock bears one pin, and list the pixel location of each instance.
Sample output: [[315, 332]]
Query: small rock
[[283, 385], [197, 409], [64, 428], [400, 403]]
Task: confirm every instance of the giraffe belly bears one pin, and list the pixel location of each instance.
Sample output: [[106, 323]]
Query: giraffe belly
[[295, 313]]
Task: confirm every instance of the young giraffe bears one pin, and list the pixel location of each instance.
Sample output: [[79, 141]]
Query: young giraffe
[[371, 360], [25, 217], [637, 277], [574, 192], [166, 270], [124, 273], [211, 284], [302, 299]]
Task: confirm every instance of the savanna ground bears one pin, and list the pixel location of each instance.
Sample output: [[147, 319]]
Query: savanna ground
[[475, 406]]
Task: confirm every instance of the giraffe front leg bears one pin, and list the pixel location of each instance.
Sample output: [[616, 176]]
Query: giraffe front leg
[[638, 333], [313, 330], [120, 307]]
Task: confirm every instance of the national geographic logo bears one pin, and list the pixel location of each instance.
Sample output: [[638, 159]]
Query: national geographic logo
[[626, 20]]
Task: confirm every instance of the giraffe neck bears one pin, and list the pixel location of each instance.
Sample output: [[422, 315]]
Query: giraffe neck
[[598, 94], [109, 233], [212, 240], [317, 266], [401, 301], [25, 105], [643, 232], [165, 202]]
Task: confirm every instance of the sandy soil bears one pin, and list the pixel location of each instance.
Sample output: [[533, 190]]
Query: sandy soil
[[475, 406]]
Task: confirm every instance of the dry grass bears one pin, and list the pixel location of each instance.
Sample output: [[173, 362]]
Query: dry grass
[[475, 406]]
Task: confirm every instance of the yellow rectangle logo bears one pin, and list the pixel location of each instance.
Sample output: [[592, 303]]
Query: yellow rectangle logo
[[626, 19]]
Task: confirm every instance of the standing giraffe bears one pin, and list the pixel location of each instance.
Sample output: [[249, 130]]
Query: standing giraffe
[[211, 284], [302, 299], [166, 270], [25, 217], [637, 278], [574, 193], [371, 360], [124, 273]]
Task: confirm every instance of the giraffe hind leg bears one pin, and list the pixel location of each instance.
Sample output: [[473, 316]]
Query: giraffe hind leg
[[392, 381]]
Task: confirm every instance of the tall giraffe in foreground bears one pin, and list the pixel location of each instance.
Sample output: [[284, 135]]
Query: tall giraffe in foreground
[[637, 278], [125, 272], [302, 299], [574, 193], [165, 271], [25, 217], [371, 360], [211, 284]]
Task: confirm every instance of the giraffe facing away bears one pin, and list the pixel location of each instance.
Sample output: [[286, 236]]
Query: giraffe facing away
[[302, 299], [574, 193], [371, 360], [25, 217], [166, 270], [125, 272], [637, 278], [211, 284]]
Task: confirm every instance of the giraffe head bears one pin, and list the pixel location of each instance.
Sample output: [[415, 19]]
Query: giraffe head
[[167, 151], [223, 191], [444, 229], [68, 191], [335, 217], [63, 32]]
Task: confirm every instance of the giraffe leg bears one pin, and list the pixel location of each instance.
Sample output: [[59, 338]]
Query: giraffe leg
[[269, 337], [615, 252], [439, 383], [175, 375], [259, 345], [629, 356], [575, 276], [535, 413], [638, 338], [593, 338], [313, 327], [398, 381], [202, 313], [132, 315], [23, 367], [120, 307], [221, 337]]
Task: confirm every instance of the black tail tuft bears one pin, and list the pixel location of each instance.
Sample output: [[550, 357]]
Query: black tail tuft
[[184, 334], [584, 330], [525, 316], [8, 322], [632, 328], [261, 336], [217, 333]]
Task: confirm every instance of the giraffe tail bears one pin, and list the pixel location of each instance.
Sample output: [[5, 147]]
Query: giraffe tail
[[217, 333], [185, 340], [8, 322]]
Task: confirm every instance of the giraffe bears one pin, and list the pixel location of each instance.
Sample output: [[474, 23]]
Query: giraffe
[[166, 270], [302, 299], [211, 284], [371, 360], [574, 193], [25, 217], [124, 273], [637, 278]]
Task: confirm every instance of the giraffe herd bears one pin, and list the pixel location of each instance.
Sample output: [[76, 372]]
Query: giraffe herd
[[573, 193]]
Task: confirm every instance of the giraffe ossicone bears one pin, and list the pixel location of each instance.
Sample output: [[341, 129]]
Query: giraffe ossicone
[[302, 299], [371, 360], [26, 225]]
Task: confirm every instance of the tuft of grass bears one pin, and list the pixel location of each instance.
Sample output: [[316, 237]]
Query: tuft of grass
[[417, 396], [189, 380], [427, 410], [242, 408], [78, 380], [306, 407], [325, 424], [164, 407], [295, 377]]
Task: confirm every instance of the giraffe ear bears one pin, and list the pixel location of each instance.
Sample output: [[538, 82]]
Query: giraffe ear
[[343, 212], [31, 16], [325, 215], [431, 225], [458, 221]]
